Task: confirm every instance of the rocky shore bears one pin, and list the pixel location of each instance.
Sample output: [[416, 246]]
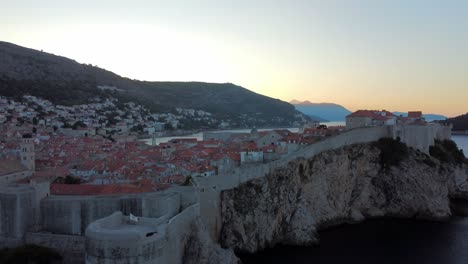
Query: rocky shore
[[347, 185]]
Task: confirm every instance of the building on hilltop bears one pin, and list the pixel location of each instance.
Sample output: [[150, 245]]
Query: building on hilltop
[[414, 117], [367, 118]]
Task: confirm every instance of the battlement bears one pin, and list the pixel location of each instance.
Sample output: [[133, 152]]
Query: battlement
[[119, 239]]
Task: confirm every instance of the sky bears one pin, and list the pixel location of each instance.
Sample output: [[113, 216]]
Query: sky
[[397, 55]]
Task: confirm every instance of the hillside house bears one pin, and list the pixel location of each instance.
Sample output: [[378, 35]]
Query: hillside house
[[366, 118]]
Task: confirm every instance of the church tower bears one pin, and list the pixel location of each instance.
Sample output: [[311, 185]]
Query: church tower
[[28, 158]]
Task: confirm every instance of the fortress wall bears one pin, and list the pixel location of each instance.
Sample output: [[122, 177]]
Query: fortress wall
[[104, 245], [70, 247], [13, 177], [17, 212], [188, 195], [210, 188], [98, 207], [422, 137], [177, 233], [240, 175], [210, 212], [71, 215], [166, 246], [61, 216]]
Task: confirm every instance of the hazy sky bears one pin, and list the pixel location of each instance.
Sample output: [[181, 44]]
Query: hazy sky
[[395, 55]]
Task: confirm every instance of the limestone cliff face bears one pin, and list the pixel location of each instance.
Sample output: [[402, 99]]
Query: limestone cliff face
[[344, 185]]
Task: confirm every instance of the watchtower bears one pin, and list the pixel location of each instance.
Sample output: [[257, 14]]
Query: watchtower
[[28, 158]]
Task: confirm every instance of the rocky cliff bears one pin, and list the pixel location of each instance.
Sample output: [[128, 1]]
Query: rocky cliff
[[350, 184]]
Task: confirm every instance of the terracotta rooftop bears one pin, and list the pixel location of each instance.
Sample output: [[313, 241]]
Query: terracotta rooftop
[[89, 189], [375, 114]]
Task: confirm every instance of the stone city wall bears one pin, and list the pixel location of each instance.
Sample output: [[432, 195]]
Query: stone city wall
[[72, 214], [177, 233], [105, 244], [64, 243], [13, 177], [422, 137], [419, 137], [240, 175]]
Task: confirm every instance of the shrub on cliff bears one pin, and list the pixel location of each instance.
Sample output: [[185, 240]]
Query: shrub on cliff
[[33, 254], [447, 151], [187, 182], [392, 152]]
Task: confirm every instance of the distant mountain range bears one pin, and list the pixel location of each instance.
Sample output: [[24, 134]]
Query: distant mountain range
[[334, 112], [67, 82], [322, 111]]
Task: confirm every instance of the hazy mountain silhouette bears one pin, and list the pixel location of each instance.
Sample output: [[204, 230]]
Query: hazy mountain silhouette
[[326, 111]]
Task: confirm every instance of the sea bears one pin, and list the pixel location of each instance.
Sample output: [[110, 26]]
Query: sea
[[381, 241]]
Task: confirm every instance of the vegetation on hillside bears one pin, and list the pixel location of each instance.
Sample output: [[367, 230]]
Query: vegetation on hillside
[[447, 151], [63, 93], [64, 81], [460, 123], [392, 152]]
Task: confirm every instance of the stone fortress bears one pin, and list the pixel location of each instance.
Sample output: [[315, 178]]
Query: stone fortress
[[100, 227]]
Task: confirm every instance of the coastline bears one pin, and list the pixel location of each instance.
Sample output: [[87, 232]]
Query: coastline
[[377, 241]]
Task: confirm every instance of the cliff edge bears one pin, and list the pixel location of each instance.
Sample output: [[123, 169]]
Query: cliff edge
[[349, 184]]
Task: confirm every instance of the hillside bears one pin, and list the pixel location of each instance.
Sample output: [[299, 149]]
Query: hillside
[[460, 123], [326, 111], [67, 82]]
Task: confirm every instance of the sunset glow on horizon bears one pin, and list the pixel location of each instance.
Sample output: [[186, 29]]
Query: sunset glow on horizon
[[393, 55]]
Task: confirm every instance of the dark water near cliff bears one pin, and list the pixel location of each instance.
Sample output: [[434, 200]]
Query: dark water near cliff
[[462, 142], [381, 241]]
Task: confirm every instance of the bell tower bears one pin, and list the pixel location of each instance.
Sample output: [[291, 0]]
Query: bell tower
[[27, 155]]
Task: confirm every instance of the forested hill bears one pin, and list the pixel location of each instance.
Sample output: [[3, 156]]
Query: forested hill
[[460, 123], [65, 81]]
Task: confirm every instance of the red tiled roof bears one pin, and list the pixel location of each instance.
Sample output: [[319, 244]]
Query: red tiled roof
[[249, 145], [375, 114], [234, 156], [89, 189]]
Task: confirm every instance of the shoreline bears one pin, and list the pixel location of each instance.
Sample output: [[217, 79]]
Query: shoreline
[[375, 232]]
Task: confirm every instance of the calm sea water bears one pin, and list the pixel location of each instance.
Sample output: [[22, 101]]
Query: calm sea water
[[462, 142], [381, 241]]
